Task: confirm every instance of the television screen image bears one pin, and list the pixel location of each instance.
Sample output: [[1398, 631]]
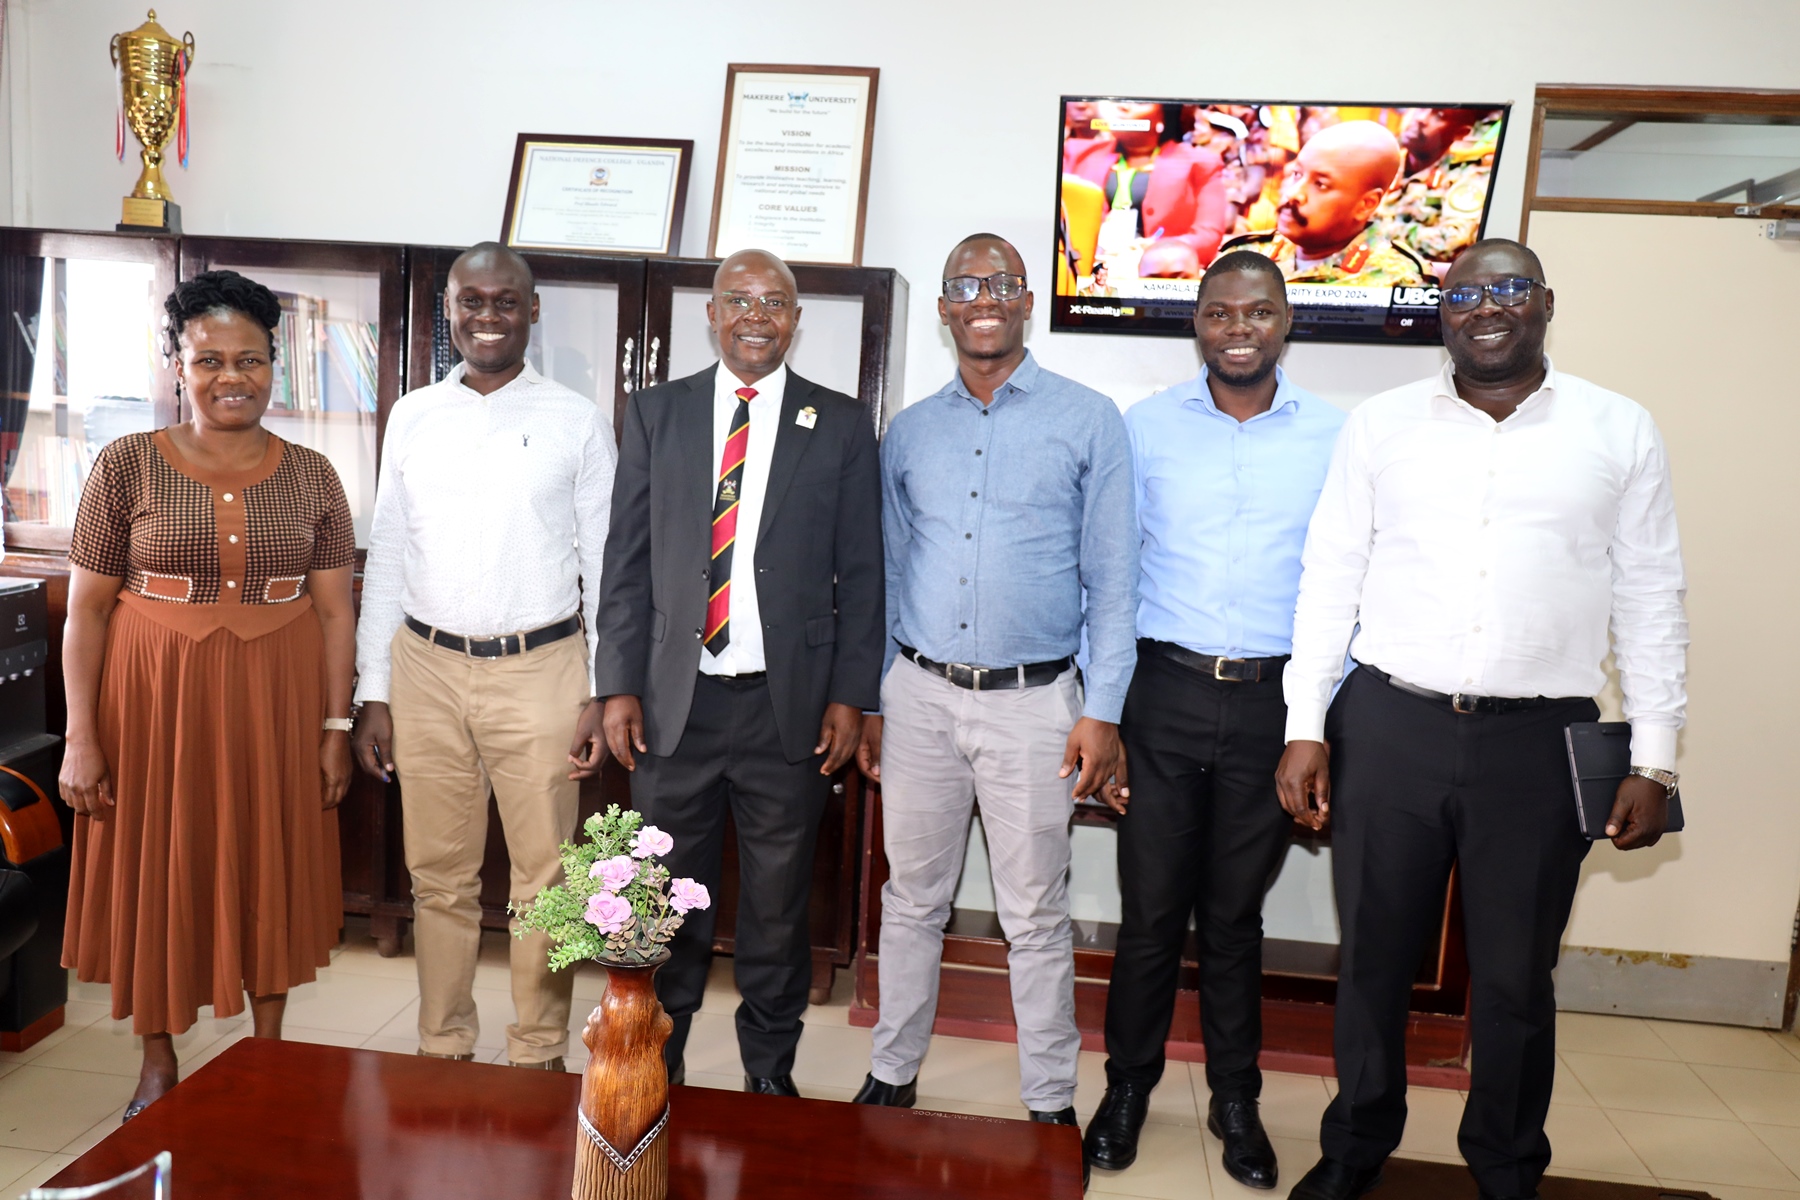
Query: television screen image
[[1363, 206]]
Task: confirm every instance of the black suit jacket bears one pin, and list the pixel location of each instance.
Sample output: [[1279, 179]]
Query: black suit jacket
[[818, 571]]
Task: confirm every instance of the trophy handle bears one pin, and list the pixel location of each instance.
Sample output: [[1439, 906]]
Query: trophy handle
[[187, 44], [655, 345], [113, 48], [625, 367]]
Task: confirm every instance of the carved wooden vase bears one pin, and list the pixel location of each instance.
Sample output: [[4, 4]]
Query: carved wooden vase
[[622, 1148]]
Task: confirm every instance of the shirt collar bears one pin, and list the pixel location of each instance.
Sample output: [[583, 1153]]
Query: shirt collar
[[1446, 389], [1287, 396], [526, 378], [774, 384], [1023, 379]]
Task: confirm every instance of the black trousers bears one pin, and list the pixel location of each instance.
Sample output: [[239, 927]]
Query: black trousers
[[1415, 789], [729, 759], [1203, 835]]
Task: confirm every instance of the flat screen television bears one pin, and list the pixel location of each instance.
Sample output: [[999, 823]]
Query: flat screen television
[[1364, 207]]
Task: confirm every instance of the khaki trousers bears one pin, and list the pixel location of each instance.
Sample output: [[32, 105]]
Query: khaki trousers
[[461, 726]]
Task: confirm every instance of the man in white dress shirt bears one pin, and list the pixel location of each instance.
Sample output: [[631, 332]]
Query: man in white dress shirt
[[483, 571], [1484, 527]]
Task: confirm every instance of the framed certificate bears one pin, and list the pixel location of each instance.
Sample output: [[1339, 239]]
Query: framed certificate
[[597, 195], [794, 162]]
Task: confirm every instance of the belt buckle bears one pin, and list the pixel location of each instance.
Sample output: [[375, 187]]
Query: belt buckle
[[1219, 670], [1456, 704], [950, 670]]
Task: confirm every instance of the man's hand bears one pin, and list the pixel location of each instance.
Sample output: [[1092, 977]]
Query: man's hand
[[334, 766], [1095, 744], [1114, 793], [623, 721], [373, 740], [868, 751], [85, 782], [1303, 781], [1640, 813], [839, 734], [588, 752]]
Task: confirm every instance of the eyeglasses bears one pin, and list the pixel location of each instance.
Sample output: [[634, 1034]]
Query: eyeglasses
[[960, 289], [774, 306], [1507, 293]]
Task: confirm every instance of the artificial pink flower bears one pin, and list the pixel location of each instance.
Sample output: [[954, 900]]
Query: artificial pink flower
[[651, 841], [685, 894], [607, 913], [613, 873]]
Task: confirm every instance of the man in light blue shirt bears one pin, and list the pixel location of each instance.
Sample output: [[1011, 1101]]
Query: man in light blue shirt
[[1228, 467], [1007, 521]]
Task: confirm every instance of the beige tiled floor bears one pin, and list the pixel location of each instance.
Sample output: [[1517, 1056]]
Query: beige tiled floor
[[1710, 1107]]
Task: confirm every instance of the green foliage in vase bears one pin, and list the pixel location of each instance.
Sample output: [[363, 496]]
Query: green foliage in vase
[[617, 902]]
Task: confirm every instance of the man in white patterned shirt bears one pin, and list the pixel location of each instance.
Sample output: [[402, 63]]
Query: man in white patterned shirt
[[491, 512], [1484, 528]]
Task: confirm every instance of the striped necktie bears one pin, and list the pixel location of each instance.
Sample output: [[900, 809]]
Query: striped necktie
[[724, 523]]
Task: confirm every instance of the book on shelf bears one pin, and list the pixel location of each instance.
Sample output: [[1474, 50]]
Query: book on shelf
[[323, 363]]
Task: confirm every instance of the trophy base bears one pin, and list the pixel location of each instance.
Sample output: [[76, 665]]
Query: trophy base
[[149, 216]]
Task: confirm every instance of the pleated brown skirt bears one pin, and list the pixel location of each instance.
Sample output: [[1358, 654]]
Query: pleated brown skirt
[[217, 871]]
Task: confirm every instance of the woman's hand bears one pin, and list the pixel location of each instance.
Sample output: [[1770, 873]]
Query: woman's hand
[[85, 781], [334, 765]]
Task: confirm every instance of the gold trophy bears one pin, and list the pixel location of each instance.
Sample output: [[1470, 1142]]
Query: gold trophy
[[153, 70]]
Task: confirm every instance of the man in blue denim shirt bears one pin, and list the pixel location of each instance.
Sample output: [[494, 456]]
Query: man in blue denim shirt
[[1007, 514]]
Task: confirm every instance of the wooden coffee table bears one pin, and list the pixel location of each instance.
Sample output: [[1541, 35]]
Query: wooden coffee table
[[288, 1119]]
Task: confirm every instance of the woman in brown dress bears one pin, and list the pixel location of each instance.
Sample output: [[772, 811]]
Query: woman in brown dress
[[208, 657]]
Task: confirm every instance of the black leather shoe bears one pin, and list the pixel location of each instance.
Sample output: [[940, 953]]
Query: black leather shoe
[[1112, 1136], [1249, 1158], [1331, 1180], [781, 1085], [678, 1076], [1064, 1116], [888, 1095]]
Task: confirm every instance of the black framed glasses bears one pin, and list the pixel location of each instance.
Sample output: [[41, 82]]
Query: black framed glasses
[[774, 305], [960, 289], [1507, 293]]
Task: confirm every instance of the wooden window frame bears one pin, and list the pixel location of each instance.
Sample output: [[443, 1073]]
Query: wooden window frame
[[1625, 104]]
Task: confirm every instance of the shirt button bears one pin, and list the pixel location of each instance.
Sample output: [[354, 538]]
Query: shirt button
[[226, 497], [1484, 574], [232, 539], [231, 583], [1478, 629], [978, 454], [964, 582], [1468, 679], [972, 495], [964, 625], [1484, 520]]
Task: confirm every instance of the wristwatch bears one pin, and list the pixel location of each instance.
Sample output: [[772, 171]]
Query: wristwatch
[[1656, 775], [339, 724]]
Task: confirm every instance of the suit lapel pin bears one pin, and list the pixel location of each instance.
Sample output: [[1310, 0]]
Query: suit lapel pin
[[807, 417]]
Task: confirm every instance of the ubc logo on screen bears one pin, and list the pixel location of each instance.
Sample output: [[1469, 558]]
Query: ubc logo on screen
[[1414, 297]]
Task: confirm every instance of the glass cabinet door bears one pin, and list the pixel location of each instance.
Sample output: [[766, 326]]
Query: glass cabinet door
[[851, 337], [337, 349], [83, 363], [589, 332]]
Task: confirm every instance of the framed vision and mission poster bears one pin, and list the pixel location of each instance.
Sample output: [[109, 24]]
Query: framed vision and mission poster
[[597, 195], [794, 162]]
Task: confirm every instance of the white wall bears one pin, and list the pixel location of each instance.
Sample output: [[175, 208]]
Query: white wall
[[375, 120]]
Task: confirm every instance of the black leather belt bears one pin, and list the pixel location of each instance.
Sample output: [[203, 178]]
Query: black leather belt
[[1225, 670], [497, 647], [1465, 704], [992, 679]]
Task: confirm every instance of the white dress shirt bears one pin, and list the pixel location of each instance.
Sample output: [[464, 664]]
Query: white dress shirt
[[490, 515], [744, 653], [1489, 558]]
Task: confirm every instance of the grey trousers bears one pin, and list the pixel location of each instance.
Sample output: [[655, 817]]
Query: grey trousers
[[941, 747]]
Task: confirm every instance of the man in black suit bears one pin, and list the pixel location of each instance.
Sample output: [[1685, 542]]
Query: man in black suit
[[741, 625]]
